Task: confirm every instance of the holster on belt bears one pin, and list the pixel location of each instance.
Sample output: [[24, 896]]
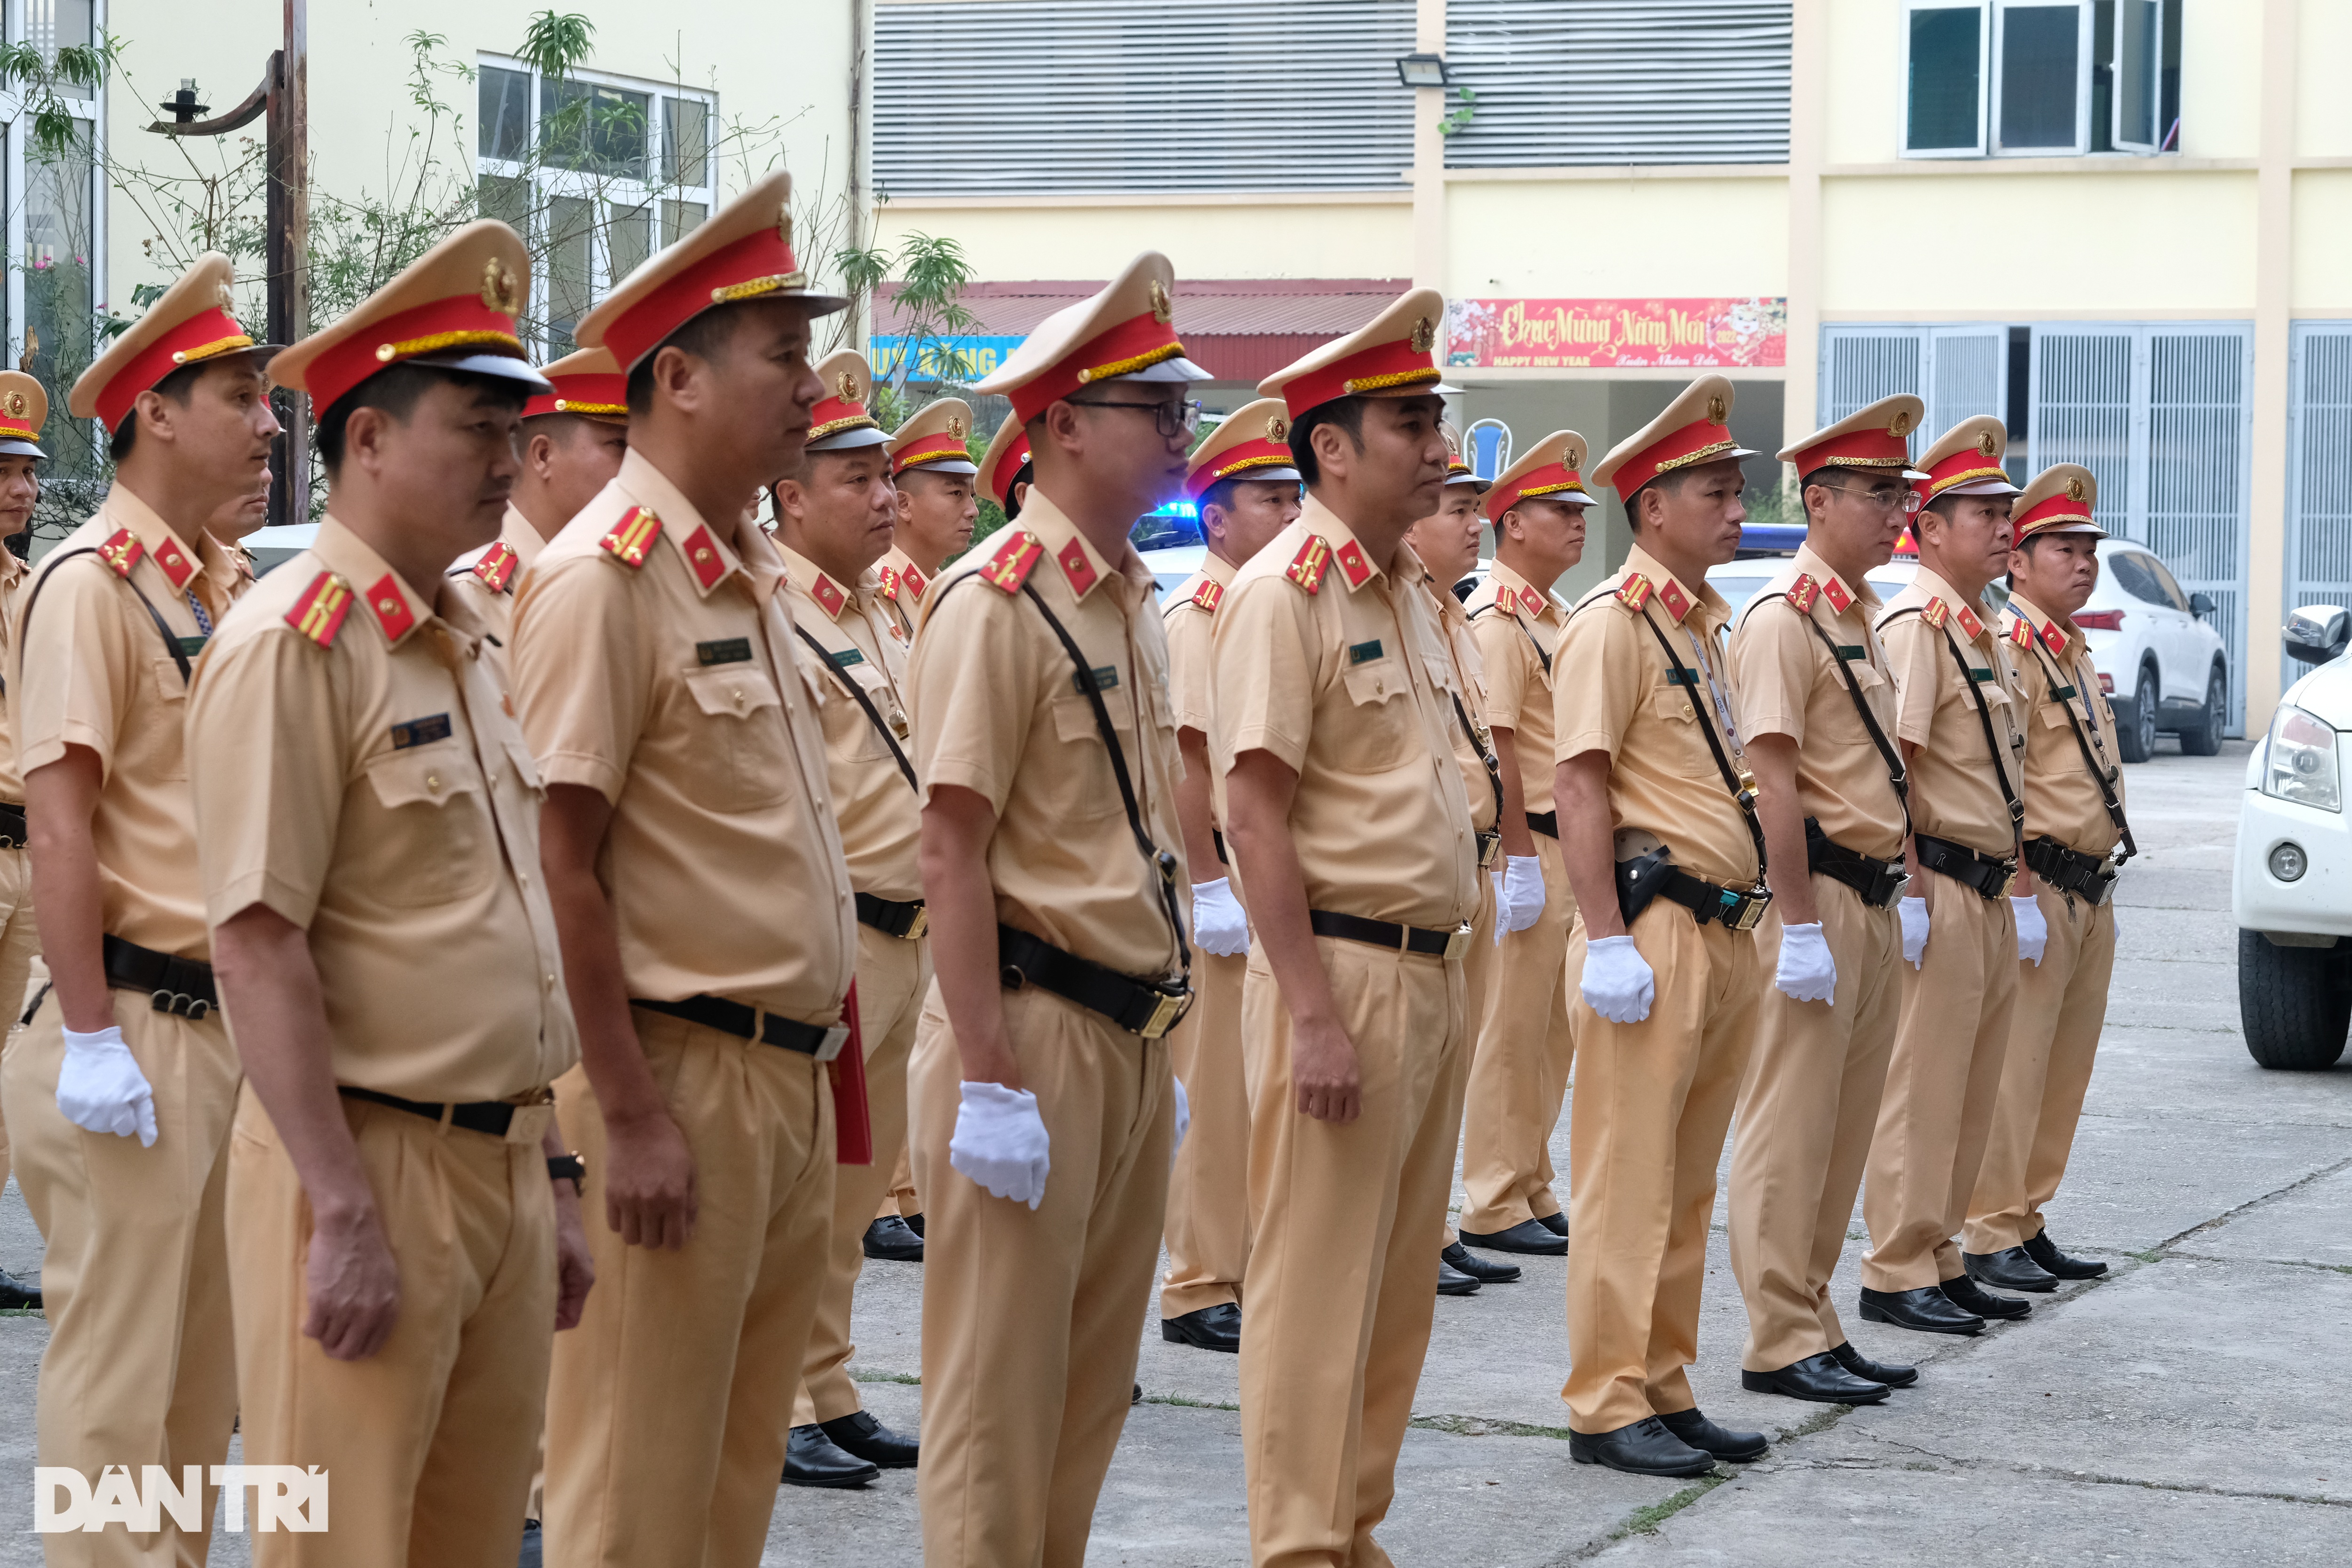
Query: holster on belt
[[2086, 876]]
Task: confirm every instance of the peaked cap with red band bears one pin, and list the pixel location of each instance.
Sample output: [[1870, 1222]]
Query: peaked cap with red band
[[189, 325], [1458, 471], [934, 439], [1125, 332], [1548, 472], [1878, 436], [1253, 443], [24, 409], [1694, 428], [1393, 355], [2060, 499], [452, 308], [840, 421], [744, 251], [1965, 460], [589, 385], [1007, 460]]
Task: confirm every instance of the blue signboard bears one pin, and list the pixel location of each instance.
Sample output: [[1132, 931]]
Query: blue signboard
[[973, 357]]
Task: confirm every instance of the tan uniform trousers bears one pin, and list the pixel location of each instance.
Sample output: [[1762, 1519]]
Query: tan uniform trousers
[[1646, 1132], [1342, 1281], [893, 973], [1807, 1111], [1519, 1076], [1478, 968], [1030, 1316], [2054, 1034], [141, 1367], [668, 1407], [900, 1197], [1941, 1083], [20, 944], [427, 1443], [1208, 1193]]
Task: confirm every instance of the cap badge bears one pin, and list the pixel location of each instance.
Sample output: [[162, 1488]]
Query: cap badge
[[1901, 423], [18, 406], [1161, 310], [956, 426], [1716, 412], [1277, 428], [784, 225], [2075, 490], [226, 301], [1452, 446], [845, 386], [1424, 334], [500, 290], [1987, 443]]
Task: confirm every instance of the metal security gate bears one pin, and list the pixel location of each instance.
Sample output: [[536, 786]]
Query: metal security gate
[[1959, 371], [2318, 470], [2161, 415]]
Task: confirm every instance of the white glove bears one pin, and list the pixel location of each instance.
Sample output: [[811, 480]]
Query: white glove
[[101, 1090], [1617, 981], [1183, 1117], [1807, 972], [2033, 931], [1518, 894], [1915, 931], [1000, 1142], [1219, 926]]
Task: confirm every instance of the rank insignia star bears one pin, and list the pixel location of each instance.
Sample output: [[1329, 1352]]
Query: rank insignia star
[[633, 536], [2052, 637], [1080, 571], [318, 612], [174, 562], [1970, 624], [702, 558], [1009, 567], [122, 552], [1671, 595], [1634, 591], [390, 607], [915, 582], [1532, 602], [1803, 592], [1352, 563], [496, 569], [1836, 593], [828, 595], [1306, 567]]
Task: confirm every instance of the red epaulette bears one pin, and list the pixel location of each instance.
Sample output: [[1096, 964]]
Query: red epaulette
[[1936, 613], [1014, 559], [1803, 592], [2020, 630], [1634, 591], [632, 537], [122, 552], [1306, 567], [890, 584], [1209, 594], [318, 612], [496, 568]]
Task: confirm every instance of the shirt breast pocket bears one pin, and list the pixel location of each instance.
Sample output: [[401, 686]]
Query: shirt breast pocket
[[1839, 724], [1089, 788], [736, 756], [433, 840], [167, 751], [1376, 727], [867, 745]]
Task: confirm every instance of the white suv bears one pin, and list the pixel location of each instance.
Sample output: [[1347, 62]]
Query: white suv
[[2291, 887], [2162, 665]]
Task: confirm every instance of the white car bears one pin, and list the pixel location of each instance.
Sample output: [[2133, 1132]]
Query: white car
[[2160, 662], [2291, 887]]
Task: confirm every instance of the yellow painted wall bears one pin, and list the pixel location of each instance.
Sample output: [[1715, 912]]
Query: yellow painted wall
[[2322, 43], [2221, 77], [2323, 240], [1698, 238], [1207, 240], [1862, 117]]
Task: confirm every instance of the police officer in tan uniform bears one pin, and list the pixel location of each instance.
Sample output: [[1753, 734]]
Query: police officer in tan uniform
[[1955, 722], [1350, 828], [403, 1220], [1044, 1114], [2076, 839], [1520, 1076], [1656, 813], [699, 884], [1817, 710], [572, 442], [834, 516], [934, 473], [129, 1044], [1246, 492], [24, 409]]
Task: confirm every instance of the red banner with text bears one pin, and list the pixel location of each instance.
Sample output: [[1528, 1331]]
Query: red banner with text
[[1624, 334]]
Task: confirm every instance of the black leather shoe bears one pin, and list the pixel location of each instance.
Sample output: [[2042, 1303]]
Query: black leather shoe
[[861, 1437], [2044, 1251], [16, 1295], [1969, 1297], [1555, 1222], [1451, 1282], [893, 1239], [1644, 1448], [2009, 1268], [1704, 1435], [1927, 1310], [811, 1459], [1892, 1373], [1819, 1378], [1529, 1236], [914, 1222], [1460, 1258], [1217, 1328]]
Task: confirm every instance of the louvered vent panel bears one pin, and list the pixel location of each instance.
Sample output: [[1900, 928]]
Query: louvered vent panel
[[1070, 97], [1620, 81]]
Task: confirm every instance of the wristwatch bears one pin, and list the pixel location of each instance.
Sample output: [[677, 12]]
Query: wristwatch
[[569, 1167]]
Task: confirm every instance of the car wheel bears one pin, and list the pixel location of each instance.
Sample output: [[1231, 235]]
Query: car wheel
[[2295, 1003], [2136, 723], [2202, 738]]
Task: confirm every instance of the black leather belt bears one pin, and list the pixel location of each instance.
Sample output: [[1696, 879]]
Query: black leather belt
[[752, 1024], [12, 825], [908, 919], [1880, 882], [1425, 940], [491, 1116], [1656, 875], [1139, 1007], [1991, 877], [181, 985], [1543, 822], [2087, 876]]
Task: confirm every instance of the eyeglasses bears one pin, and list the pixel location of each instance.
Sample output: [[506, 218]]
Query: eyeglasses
[[1906, 500], [1182, 419]]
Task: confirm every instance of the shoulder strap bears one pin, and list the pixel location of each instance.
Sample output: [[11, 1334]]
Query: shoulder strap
[[1896, 774], [1741, 784], [2090, 765], [865, 703], [164, 629], [1541, 656], [1494, 766], [1992, 746]]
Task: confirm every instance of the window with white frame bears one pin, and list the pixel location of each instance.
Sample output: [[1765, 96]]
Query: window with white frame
[[598, 172], [2034, 79], [56, 222]]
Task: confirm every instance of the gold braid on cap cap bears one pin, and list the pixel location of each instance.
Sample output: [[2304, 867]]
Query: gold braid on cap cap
[[752, 288], [1263, 461], [1394, 378], [1715, 449], [1554, 489], [1941, 486], [1143, 360], [1865, 462], [565, 406], [212, 349], [833, 426], [471, 338]]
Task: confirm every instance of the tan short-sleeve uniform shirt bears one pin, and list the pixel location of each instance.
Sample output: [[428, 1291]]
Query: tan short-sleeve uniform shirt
[[1618, 693], [880, 814], [998, 711], [2062, 796], [1956, 793], [1337, 665], [1191, 619], [653, 662], [1464, 700], [1519, 627], [370, 788], [904, 583], [13, 576], [489, 579], [92, 670], [1796, 642]]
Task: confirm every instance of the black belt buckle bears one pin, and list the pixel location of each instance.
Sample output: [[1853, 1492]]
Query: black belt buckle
[[1742, 911], [1887, 885], [1169, 1005], [908, 920], [1489, 842]]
